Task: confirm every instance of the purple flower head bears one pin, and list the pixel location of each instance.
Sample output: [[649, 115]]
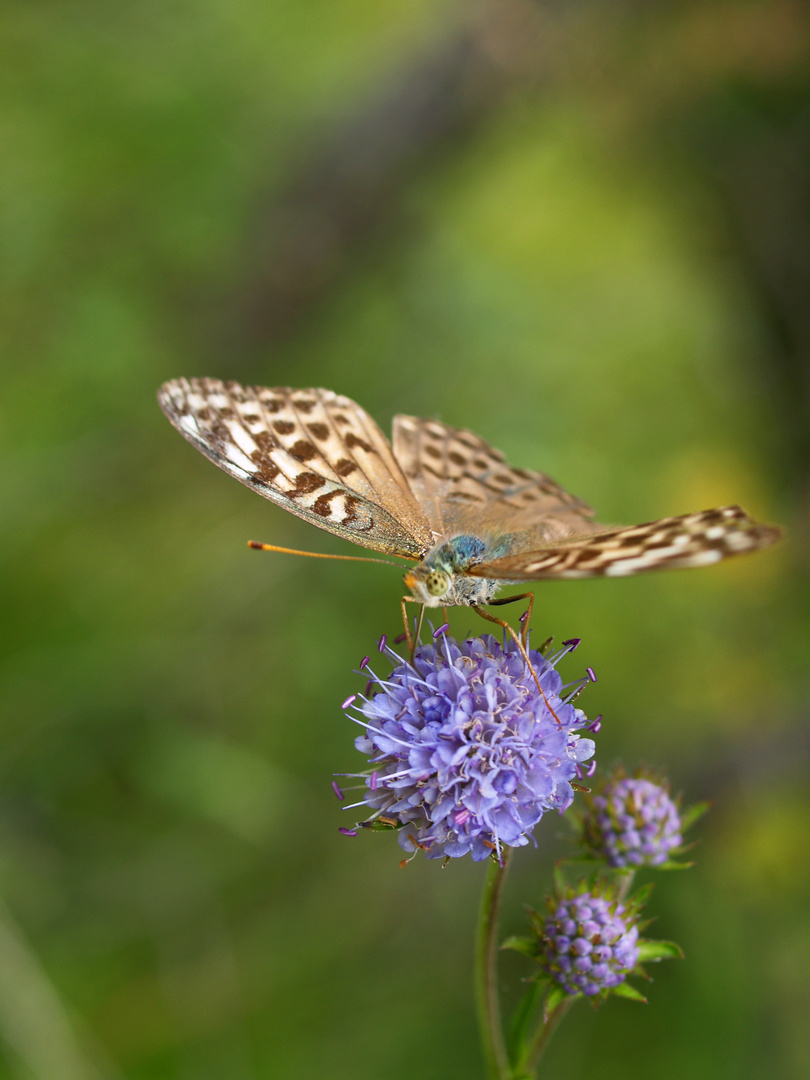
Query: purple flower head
[[632, 821], [588, 943], [465, 753]]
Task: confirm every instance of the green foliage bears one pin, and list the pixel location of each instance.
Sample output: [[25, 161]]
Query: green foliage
[[559, 276], [649, 951]]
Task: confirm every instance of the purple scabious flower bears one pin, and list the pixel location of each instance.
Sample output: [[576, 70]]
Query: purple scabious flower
[[588, 943], [466, 754], [632, 821]]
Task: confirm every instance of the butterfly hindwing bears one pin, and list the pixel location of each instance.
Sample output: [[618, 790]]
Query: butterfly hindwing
[[313, 452], [690, 540], [466, 485]]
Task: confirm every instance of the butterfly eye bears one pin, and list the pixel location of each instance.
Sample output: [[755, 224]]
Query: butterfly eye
[[437, 583]]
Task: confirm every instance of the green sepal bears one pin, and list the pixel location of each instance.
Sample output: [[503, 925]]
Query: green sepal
[[560, 884], [693, 814], [523, 945], [650, 951], [538, 921], [641, 896], [522, 1022], [554, 997], [625, 990]]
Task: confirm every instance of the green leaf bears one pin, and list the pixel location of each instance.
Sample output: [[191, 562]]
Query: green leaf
[[553, 998], [671, 864], [652, 951], [521, 1024], [625, 990], [520, 944], [693, 814]]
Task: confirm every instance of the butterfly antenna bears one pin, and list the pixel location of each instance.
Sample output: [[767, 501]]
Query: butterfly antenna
[[316, 554]]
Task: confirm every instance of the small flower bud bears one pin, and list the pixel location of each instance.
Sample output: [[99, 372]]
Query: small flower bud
[[631, 821], [588, 943]]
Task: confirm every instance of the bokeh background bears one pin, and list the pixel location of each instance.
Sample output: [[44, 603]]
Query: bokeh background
[[581, 230]]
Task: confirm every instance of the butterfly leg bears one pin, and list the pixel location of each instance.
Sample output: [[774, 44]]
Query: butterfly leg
[[517, 640], [412, 641], [526, 617]]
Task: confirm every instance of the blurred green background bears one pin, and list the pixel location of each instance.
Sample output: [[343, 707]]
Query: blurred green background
[[581, 230]]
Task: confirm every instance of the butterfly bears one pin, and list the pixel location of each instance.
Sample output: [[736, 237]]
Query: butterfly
[[438, 495]]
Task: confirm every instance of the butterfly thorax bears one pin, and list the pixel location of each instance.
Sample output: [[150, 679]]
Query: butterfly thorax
[[442, 578]]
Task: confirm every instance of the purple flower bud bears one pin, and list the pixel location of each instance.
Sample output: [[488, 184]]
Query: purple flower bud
[[604, 947], [632, 821]]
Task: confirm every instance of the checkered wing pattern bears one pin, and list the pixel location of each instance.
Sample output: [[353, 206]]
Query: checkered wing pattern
[[466, 486], [690, 540], [313, 452]]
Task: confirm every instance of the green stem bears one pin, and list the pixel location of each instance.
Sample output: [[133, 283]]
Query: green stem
[[486, 973], [536, 1048]]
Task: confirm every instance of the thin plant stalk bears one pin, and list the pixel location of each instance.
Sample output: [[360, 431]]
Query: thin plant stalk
[[536, 1048], [488, 1007]]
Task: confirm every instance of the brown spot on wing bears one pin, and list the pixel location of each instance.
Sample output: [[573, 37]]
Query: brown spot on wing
[[322, 507], [303, 450], [265, 442], [266, 470], [271, 403], [307, 482], [353, 441], [351, 510]]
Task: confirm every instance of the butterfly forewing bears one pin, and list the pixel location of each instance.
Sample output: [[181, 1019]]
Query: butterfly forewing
[[313, 452], [465, 485], [690, 540]]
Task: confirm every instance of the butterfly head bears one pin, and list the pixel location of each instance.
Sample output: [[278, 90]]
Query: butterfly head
[[429, 585], [443, 577]]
